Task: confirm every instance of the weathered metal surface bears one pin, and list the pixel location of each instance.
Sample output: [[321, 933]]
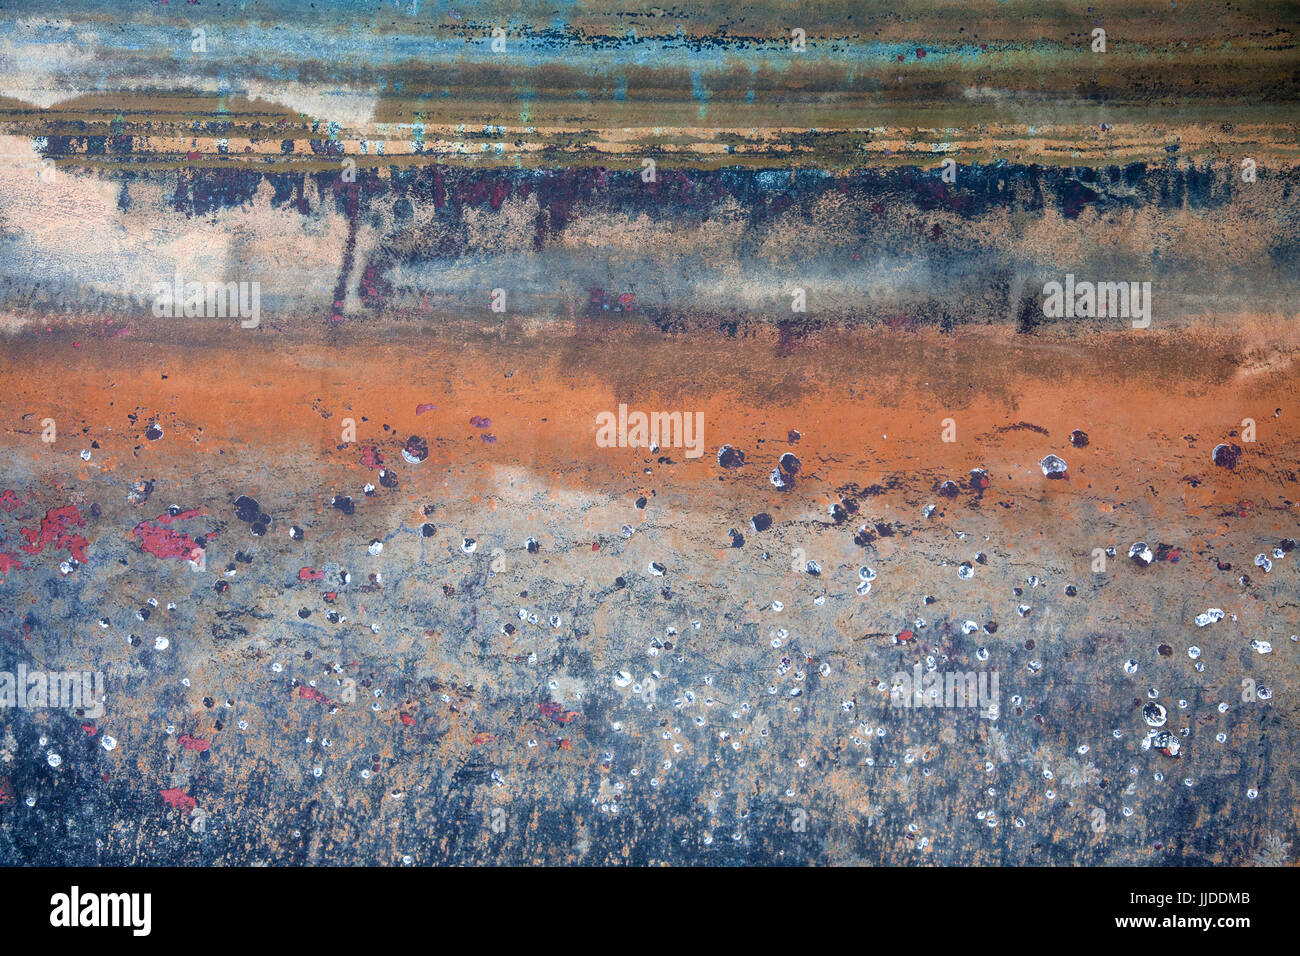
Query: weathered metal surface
[[367, 582]]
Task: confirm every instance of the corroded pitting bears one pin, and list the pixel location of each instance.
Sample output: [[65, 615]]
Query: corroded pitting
[[487, 674]]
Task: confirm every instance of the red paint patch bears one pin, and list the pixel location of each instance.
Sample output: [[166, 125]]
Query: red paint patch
[[54, 530], [421, 409], [8, 562], [483, 738], [371, 458], [307, 574], [6, 791], [9, 500], [557, 713], [178, 798], [311, 693], [165, 543], [193, 743], [903, 636]]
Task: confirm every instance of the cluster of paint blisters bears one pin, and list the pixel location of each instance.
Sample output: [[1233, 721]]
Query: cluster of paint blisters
[[312, 643]]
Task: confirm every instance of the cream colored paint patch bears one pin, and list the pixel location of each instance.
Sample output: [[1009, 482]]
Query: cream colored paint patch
[[350, 108]]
